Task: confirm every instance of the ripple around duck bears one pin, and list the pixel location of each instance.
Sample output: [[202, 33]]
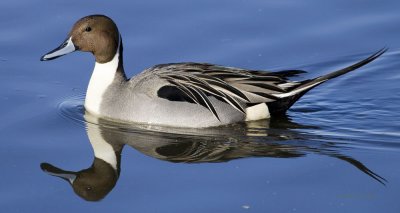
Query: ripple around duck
[[71, 108]]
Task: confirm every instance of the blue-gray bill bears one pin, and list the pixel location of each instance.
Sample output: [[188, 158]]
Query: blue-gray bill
[[66, 47]]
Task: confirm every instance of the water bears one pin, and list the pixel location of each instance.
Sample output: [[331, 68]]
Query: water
[[337, 150]]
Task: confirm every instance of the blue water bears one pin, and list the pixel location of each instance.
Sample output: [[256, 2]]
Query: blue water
[[337, 150]]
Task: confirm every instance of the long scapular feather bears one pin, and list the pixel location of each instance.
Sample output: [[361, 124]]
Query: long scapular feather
[[208, 84], [234, 86], [196, 87], [204, 101]]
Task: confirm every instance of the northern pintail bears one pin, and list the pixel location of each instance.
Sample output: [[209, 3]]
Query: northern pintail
[[193, 95]]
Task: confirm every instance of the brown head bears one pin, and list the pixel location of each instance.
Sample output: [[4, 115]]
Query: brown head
[[97, 34]]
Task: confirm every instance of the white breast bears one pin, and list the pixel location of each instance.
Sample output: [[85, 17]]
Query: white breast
[[102, 77]]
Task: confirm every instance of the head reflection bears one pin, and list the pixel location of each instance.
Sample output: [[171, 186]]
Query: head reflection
[[278, 138]]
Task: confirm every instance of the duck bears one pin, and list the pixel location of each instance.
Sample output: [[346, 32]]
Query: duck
[[187, 94]]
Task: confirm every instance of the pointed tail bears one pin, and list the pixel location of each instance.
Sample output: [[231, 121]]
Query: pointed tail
[[289, 98], [308, 84]]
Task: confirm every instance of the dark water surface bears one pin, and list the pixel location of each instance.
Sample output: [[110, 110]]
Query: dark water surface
[[337, 150]]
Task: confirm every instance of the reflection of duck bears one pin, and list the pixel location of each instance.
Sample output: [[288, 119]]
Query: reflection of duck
[[189, 146]]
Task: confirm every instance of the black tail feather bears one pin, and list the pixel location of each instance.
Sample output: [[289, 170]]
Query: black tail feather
[[280, 106], [340, 72]]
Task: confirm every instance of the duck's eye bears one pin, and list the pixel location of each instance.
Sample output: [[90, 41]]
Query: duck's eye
[[88, 29]]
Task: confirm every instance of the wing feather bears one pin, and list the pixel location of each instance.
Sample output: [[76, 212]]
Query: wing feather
[[236, 87], [204, 101]]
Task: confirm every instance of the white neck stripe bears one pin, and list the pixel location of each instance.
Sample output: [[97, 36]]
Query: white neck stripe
[[102, 77]]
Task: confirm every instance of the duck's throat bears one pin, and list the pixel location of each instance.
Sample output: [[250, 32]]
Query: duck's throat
[[102, 77]]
